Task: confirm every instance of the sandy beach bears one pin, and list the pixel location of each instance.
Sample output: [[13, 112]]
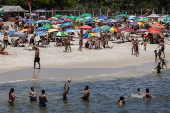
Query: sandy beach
[[54, 57]]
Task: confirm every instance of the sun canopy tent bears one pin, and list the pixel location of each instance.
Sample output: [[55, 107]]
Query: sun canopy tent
[[13, 9]]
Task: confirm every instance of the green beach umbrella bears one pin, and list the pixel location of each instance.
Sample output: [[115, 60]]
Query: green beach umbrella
[[65, 16], [62, 34], [79, 19], [145, 19], [116, 17], [85, 20], [47, 26], [165, 22], [122, 15], [139, 20], [58, 16], [167, 16], [72, 17], [2, 10]]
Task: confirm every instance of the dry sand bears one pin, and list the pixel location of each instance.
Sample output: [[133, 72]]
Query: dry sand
[[54, 57]]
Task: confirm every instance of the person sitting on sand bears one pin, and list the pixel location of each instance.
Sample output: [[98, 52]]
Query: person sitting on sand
[[158, 67], [86, 93], [121, 101], [148, 94], [2, 52], [66, 90], [32, 94], [139, 92], [11, 96], [42, 99]]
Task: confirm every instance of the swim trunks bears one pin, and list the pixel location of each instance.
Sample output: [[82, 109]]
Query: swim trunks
[[162, 49], [37, 59], [6, 41], [64, 98], [42, 105]]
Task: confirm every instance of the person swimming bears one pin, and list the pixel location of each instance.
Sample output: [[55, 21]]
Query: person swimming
[[121, 101], [148, 94], [139, 92], [66, 90], [86, 93]]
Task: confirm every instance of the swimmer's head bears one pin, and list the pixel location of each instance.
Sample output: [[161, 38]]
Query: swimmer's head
[[138, 89], [12, 90], [147, 90], [121, 98], [43, 91], [32, 89], [86, 87]]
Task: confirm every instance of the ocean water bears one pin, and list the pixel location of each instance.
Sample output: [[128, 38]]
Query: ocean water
[[105, 90]]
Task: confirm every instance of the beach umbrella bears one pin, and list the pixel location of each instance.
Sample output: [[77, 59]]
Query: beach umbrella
[[97, 29], [58, 16], [113, 29], [72, 17], [11, 32], [88, 18], [52, 30], [47, 26], [126, 29], [140, 23], [67, 24], [24, 30], [65, 16], [60, 21], [142, 30], [52, 19], [92, 20], [60, 25], [122, 15], [112, 20], [154, 31], [2, 10], [79, 19], [33, 14], [30, 22], [165, 22], [41, 29], [133, 23], [70, 30], [67, 20], [62, 18], [56, 26], [85, 27], [120, 20], [41, 33], [105, 28], [46, 21], [139, 20], [101, 20], [116, 17], [105, 22], [153, 16], [39, 22], [18, 34], [1, 19], [22, 19], [89, 35], [62, 34], [145, 19], [157, 25], [42, 17], [103, 17], [85, 20], [1, 33]]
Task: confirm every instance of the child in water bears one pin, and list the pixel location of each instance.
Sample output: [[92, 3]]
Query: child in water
[[158, 68], [121, 101]]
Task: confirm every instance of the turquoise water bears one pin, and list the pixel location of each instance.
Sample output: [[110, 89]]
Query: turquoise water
[[105, 90]]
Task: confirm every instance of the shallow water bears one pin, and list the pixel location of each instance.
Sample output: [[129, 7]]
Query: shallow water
[[105, 90]]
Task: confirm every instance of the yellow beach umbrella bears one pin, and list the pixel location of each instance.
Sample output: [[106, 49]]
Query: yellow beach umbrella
[[54, 17], [23, 30], [140, 23]]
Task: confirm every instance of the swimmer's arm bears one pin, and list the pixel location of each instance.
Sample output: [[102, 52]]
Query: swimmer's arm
[[85, 94], [65, 86], [46, 99], [144, 96]]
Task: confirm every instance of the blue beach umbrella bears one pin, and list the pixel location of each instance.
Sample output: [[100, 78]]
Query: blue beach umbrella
[[103, 17], [1, 33], [41, 33], [41, 29], [101, 20], [67, 24], [88, 18], [11, 32], [97, 29], [30, 22], [70, 30]]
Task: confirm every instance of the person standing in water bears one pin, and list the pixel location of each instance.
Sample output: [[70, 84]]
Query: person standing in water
[[32, 94], [148, 94], [156, 55], [42, 99], [158, 67], [121, 101], [139, 92], [36, 58], [11, 96], [66, 90], [162, 45], [86, 93]]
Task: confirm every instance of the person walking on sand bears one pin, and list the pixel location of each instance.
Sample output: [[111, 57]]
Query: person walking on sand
[[162, 45], [133, 45], [42, 99], [80, 44], [148, 94], [36, 58], [11, 96], [32, 94], [66, 90], [136, 49], [86, 93]]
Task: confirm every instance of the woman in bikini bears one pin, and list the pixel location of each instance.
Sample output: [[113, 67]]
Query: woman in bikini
[[11, 96]]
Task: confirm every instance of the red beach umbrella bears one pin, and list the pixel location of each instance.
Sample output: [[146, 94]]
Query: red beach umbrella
[[85, 27], [67, 20]]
